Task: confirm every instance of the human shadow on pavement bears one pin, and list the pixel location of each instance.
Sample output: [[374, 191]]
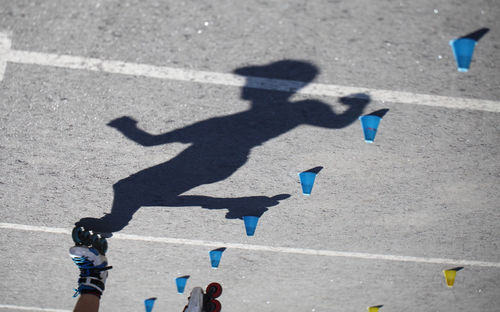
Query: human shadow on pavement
[[219, 146]]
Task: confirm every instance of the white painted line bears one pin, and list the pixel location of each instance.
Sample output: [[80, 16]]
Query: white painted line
[[5, 44], [21, 308], [179, 74], [302, 251], [22, 227]]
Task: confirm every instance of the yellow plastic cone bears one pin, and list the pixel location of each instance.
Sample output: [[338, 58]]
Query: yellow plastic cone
[[374, 308], [449, 275]]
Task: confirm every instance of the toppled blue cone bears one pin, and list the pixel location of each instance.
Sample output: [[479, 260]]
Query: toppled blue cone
[[250, 224], [463, 48], [307, 182], [369, 123], [149, 303]]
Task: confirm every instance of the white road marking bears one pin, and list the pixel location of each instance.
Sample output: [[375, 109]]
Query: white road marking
[[289, 250], [4, 52], [14, 307], [179, 74]]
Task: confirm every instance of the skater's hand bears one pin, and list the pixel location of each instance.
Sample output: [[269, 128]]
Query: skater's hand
[[122, 122], [359, 100]]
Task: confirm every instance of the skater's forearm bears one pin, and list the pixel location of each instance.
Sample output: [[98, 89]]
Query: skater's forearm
[[87, 303], [128, 127], [327, 118], [140, 137]]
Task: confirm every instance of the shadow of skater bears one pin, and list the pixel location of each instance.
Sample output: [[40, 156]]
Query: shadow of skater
[[219, 147]]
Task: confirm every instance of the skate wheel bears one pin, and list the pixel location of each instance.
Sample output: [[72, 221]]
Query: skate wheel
[[94, 239], [213, 306], [214, 290], [75, 234], [99, 243], [102, 245], [80, 236]]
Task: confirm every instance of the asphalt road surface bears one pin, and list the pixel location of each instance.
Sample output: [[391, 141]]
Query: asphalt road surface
[[146, 119]]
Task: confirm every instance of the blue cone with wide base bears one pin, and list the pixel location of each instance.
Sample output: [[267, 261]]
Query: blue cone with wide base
[[250, 224], [149, 303], [181, 283], [307, 182], [463, 48], [215, 256], [370, 125]]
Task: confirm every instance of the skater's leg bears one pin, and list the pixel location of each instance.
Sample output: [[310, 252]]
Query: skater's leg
[[195, 301], [204, 302], [93, 274], [126, 201], [87, 303], [88, 255]]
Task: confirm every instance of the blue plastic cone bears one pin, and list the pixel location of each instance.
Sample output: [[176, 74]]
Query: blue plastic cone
[[463, 48], [181, 283], [215, 256], [369, 123], [250, 224], [307, 181], [149, 303]]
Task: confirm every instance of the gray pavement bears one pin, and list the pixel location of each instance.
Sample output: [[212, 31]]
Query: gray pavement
[[428, 186]]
